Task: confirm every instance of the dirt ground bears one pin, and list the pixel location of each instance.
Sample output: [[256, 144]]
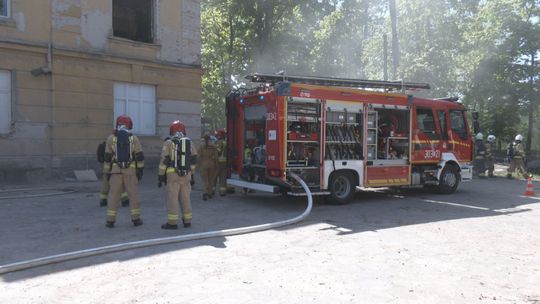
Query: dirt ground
[[479, 245]]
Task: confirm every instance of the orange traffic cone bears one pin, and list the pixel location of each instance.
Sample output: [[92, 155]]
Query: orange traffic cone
[[529, 190]]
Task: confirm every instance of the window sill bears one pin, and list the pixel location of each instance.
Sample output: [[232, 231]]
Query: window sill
[[134, 43], [7, 21]]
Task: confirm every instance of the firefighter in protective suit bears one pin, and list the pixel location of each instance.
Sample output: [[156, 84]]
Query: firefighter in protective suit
[[208, 156], [222, 160], [517, 156], [105, 187], [490, 158], [178, 159], [479, 156], [123, 166]]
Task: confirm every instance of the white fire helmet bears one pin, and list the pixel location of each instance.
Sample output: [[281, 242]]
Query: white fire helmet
[[519, 137], [479, 136], [491, 138]]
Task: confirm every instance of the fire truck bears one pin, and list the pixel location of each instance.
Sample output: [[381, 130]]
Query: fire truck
[[341, 134]]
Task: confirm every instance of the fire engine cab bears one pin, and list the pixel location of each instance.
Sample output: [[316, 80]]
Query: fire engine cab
[[339, 134]]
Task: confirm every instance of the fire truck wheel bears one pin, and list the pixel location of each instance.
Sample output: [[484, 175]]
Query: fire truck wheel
[[449, 180], [342, 188]]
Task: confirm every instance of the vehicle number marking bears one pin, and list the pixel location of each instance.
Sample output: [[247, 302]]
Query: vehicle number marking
[[432, 154]]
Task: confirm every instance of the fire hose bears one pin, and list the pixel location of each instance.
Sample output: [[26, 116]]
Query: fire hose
[[158, 241]]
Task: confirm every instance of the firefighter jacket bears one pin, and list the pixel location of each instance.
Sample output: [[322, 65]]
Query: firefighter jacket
[[222, 150], [136, 156], [519, 151], [479, 149], [208, 155], [175, 157], [489, 151]]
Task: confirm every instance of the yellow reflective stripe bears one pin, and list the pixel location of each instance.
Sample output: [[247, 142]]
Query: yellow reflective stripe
[[183, 160], [124, 196], [106, 167], [162, 167], [188, 216], [102, 196], [111, 212], [172, 217], [170, 170], [135, 211]]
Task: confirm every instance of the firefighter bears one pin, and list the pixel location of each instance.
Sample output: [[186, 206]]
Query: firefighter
[[479, 156], [221, 136], [490, 158], [208, 156], [178, 159], [123, 166], [516, 154], [105, 187]]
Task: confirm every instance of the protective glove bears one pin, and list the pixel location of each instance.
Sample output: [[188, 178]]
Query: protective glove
[[161, 180], [192, 182], [139, 173]]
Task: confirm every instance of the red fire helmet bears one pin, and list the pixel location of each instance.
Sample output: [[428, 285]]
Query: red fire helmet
[[177, 126], [220, 133], [124, 120]]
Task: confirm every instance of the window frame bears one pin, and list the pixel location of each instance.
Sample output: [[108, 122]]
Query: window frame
[[8, 9], [153, 25], [443, 119], [126, 100], [463, 134], [9, 106], [422, 127]]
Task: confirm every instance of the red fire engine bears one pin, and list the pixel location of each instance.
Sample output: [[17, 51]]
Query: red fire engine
[[339, 134]]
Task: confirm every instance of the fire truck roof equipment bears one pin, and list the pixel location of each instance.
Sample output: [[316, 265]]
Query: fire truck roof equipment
[[337, 82]]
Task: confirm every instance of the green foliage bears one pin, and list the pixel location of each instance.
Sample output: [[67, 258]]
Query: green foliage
[[485, 52]]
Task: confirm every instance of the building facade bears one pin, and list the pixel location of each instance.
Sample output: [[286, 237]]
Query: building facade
[[69, 67]]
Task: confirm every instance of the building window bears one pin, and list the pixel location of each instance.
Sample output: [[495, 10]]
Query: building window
[[139, 103], [5, 101], [132, 19], [4, 8]]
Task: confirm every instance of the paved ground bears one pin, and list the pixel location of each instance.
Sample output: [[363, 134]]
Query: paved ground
[[479, 245]]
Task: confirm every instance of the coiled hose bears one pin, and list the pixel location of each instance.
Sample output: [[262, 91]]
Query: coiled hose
[[159, 241]]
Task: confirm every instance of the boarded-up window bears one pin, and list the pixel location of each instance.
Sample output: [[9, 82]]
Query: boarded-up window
[[139, 103], [5, 101], [132, 19]]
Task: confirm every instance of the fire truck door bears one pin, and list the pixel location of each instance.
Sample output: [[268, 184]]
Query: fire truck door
[[426, 143], [387, 145]]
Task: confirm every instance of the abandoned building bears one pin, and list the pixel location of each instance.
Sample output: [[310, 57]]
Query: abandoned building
[[69, 67]]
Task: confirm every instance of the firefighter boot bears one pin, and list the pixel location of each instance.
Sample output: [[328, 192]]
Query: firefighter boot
[[103, 202], [125, 199], [109, 224], [125, 203], [186, 225], [137, 222], [169, 226]]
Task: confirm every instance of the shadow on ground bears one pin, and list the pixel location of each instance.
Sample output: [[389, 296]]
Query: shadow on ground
[[36, 227]]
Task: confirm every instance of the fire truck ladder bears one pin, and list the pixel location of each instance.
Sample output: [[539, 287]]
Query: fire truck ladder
[[338, 82]]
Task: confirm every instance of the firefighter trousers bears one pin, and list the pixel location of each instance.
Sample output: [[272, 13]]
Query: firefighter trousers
[[178, 188], [490, 166], [126, 179], [517, 163], [222, 175], [105, 188], [208, 178]]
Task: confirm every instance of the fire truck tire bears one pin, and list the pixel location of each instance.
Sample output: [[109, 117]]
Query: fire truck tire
[[342, 188], [449, 180]]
